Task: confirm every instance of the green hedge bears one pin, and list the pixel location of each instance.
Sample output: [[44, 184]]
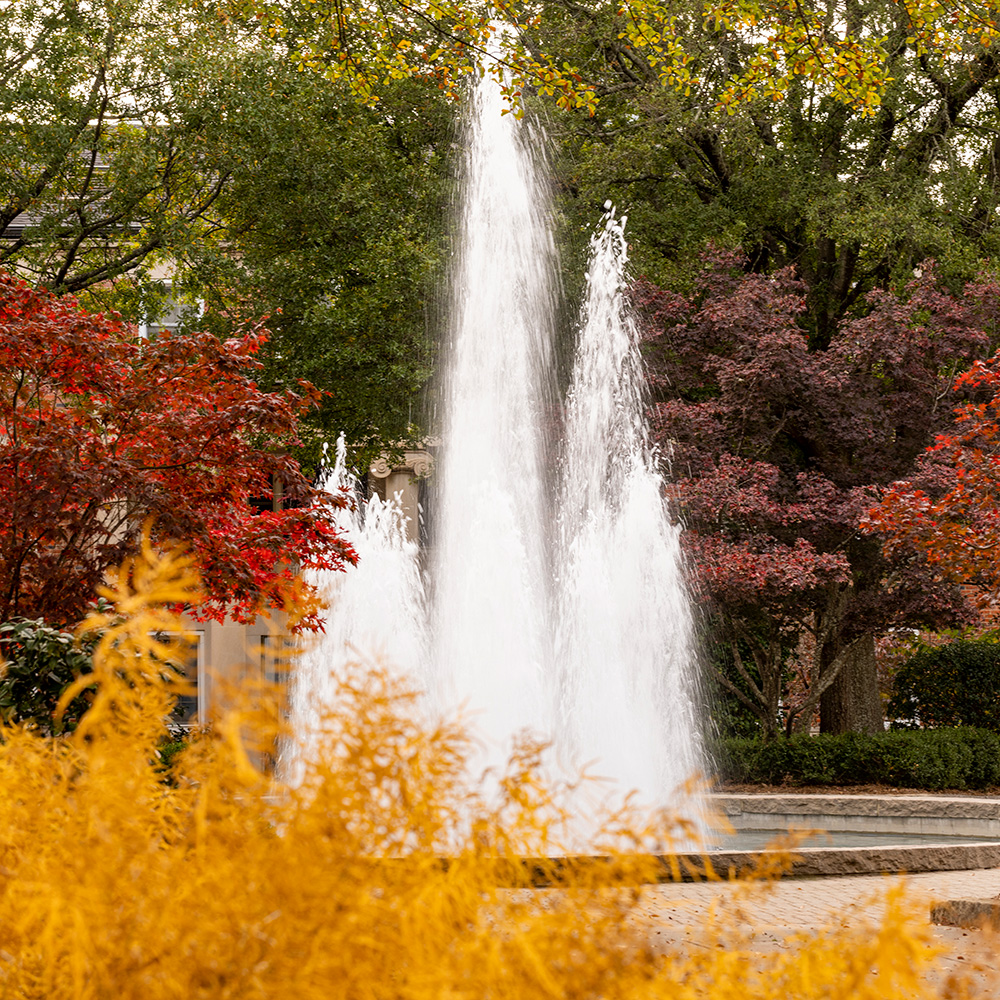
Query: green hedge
[[957, 684], [964, 758]]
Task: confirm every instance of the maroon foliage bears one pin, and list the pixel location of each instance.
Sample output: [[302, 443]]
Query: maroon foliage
[[778, 450]]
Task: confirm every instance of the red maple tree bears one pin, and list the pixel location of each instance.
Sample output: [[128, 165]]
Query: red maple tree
[[949, 511], [100, 431], [778, 447]]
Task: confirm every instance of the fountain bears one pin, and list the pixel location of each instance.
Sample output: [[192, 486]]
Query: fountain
[[377, 612], [625, 657], [553, 599], [492, 584]]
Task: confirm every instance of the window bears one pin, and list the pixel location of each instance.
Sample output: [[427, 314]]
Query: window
[[172, 314], [188, 711], [275, 658]]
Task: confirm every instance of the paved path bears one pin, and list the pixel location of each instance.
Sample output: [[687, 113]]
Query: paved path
[[796, 905]]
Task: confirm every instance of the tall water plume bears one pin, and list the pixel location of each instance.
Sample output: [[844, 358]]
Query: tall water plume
[[624, 625], [491, 641], [555, 592]]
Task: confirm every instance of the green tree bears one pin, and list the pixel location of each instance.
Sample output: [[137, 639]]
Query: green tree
[[854, 195], [333, 225], [110, 151], [853, 192], [146, 133]]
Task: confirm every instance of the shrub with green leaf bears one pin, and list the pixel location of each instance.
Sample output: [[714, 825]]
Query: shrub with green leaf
[[953, 685], [37, 662], [933, 759]]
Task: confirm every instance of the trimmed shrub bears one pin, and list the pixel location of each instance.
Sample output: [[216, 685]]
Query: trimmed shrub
[[37, 662], [932, 759], [953, 685]]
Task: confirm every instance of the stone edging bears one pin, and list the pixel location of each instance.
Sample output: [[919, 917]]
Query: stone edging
[[888, 860], [857, 805], [806, 862], [967, 913]]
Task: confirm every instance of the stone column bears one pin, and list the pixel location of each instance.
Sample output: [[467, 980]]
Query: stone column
[[402, 480]]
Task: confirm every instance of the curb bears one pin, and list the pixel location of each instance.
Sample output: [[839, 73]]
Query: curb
[[971, 913], [881, 860], [540, 873]]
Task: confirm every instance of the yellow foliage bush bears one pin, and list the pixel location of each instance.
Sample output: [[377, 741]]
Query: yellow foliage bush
[[382, 875]]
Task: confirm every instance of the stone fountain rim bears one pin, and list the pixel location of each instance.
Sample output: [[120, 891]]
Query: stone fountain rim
[[864, 804], [979, 846]]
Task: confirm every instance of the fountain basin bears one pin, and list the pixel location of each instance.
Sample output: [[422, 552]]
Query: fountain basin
[[597, 870], [866, 834], [935, 815]]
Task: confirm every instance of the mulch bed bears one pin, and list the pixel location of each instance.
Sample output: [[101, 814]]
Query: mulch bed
[[789, 789]]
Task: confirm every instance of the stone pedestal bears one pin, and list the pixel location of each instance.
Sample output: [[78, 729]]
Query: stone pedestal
[[403, 480]]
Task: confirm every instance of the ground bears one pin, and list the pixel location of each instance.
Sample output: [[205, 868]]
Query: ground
[[791, 789]]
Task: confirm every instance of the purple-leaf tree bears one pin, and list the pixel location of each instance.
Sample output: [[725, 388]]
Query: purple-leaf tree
[[777, 450]]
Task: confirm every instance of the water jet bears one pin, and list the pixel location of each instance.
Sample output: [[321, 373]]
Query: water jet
[[553, 600]]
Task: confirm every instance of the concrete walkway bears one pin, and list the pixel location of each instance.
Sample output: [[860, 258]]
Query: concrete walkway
[[795, 905]]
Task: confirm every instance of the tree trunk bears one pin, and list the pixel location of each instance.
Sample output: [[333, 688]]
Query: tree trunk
[[852, 703]]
